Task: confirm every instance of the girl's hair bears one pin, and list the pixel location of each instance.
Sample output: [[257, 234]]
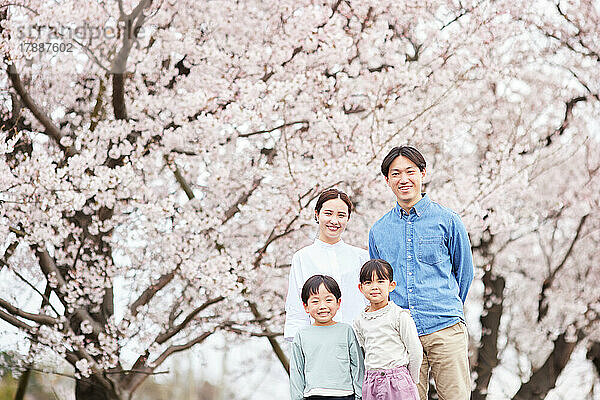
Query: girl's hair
[[409, 152], [382, 269], [330, 194], [312, 284]]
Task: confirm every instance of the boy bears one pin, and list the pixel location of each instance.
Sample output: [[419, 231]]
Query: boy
[[326, 361]]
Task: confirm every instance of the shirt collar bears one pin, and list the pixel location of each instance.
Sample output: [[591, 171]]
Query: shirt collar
[[419, 208], [321, 243], [378, 313]]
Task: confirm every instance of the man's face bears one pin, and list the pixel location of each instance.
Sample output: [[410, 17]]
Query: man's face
[[406, 180]]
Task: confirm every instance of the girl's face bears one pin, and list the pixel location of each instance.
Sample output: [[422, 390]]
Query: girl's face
[[332, 219], [377, 290]]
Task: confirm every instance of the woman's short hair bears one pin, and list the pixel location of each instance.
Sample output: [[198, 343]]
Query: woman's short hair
[[381, 268], [330, 194], [312, 285]]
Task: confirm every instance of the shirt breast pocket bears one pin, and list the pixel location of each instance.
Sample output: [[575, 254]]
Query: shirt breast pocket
[[341, 352], [432, 250]]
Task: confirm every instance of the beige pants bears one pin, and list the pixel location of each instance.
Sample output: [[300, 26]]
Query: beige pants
[[445, 353]]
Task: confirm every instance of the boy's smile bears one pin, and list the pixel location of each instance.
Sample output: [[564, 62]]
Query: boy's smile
[[322, 307]]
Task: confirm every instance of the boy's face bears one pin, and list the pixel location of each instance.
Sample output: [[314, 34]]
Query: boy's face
[[322, 306], [377, 290]]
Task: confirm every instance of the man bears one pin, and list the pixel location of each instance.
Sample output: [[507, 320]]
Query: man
[[428, 247]]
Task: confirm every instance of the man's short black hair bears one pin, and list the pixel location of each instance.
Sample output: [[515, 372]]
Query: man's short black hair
[[409, 152], [381, 268], [312, 284]]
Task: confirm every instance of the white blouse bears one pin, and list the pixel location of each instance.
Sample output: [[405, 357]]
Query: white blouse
[[340, 261]]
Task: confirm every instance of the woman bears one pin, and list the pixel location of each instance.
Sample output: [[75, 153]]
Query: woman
[[328, 255]]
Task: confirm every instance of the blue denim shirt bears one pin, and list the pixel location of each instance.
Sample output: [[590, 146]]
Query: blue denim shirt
[[430, 253]]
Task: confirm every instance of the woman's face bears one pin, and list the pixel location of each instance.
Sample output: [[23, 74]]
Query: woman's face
[[332, 219]]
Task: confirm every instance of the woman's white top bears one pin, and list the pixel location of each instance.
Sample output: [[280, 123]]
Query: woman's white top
[[390, 339], [340, 261]]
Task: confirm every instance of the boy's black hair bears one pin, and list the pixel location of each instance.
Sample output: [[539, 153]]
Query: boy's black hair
[[409, 152], [312, 284], [382, 269]]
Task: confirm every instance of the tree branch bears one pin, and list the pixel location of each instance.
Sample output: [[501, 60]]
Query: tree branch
[[149, 293], [235, 208], [464, 12], [256, 334], [544, 378], [132, 381], [134, 21], [16, 322], [7, 254], [98, 107], [305, 124], [274, 344], [177, 348], [593, 354], [179, 177], [273, 237], [542, 305], [433, 104], [176, 329], [51, 129], [38, 318], [49, 268], [44, 296]]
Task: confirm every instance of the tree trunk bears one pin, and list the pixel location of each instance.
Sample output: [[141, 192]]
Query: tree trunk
[[91, 389], [487, 356], [544, 379], [593, 355], [23, 381]]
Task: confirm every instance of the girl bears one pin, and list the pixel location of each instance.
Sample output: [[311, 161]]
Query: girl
[[388, 335], [328, 255]]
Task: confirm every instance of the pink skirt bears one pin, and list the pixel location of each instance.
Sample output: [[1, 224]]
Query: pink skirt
[[389, 384]]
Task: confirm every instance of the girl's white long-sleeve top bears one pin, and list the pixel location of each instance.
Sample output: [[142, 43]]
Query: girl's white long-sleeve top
[[340, 261], [390, 339]]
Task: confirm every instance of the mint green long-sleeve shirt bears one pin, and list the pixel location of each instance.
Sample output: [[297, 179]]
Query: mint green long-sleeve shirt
[[325, 358]]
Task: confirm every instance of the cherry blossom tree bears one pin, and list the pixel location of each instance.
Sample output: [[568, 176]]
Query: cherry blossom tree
[[160, 168]]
